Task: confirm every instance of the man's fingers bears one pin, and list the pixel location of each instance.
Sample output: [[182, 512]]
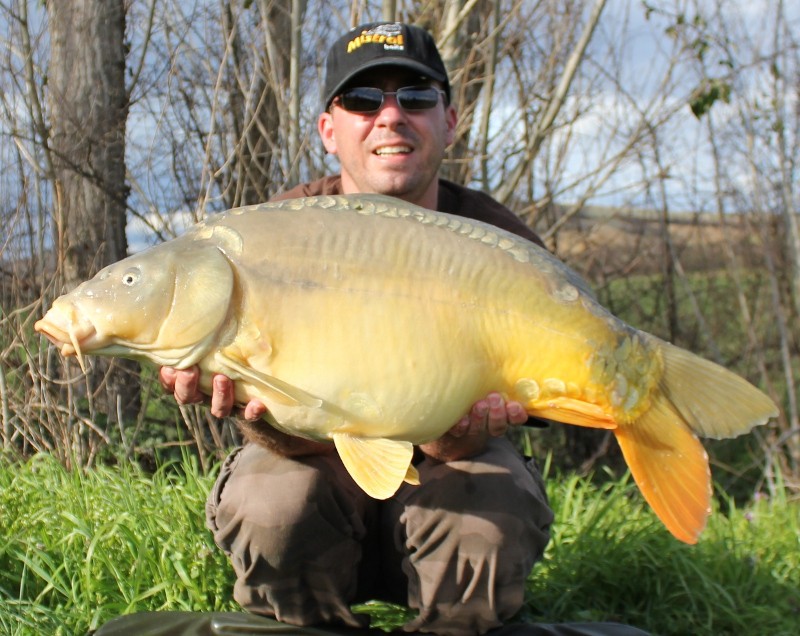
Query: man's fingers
[[460, 428], [222, 396], [496, 417], [516, 413], [478, 417], [167, 375], [254, 410], [185, 386]]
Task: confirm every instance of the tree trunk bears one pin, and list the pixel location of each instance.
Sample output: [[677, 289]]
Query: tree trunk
[[89, 108], [465, 49], [261, 120]]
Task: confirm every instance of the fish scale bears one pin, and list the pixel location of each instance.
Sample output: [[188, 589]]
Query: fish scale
[[375, 325]]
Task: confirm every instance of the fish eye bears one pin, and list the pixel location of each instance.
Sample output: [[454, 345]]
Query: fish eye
[[131, 276]]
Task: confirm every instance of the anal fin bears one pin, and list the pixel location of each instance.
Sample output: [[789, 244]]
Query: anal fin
[[571, 411], [379, 466]]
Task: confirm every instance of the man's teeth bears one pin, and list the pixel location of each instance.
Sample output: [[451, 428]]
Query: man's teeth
[[393, 150]]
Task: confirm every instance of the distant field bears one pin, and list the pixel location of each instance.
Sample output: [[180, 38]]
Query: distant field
[[603, 242]]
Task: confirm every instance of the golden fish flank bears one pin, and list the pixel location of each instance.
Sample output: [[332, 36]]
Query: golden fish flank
[[314, 306]]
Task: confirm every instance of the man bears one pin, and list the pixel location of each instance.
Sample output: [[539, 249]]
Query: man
[[304, 540]]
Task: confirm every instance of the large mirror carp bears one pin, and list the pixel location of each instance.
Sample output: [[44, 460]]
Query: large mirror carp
[[374, 324]]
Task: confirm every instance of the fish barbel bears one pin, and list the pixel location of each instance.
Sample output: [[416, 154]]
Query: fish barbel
[[375, 324]]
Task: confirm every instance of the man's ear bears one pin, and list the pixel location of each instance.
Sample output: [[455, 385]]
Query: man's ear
[[451, 120], [326, 133]]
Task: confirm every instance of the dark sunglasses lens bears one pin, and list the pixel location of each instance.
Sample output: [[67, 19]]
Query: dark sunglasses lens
[[418, 98], [368, 99], [361, 100]]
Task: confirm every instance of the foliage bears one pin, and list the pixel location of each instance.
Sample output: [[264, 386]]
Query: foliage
[[610, 559], [707, 94], [79, 548]]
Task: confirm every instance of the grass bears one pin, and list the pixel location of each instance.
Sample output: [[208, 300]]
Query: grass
[[610, 559], [79, 548]]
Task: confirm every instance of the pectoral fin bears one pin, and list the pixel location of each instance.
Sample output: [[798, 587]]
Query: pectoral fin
[[285, 392], [378, 466]]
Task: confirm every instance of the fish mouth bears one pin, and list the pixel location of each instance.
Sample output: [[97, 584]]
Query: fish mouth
[[67, 331]]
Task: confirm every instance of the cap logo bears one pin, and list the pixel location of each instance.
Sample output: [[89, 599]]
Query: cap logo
[[390, 35]]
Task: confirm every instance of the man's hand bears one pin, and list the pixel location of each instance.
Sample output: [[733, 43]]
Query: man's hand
[[184, 385], [492, 414], [487, 418]]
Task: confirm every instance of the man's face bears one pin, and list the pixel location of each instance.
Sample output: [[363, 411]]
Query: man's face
[[391, 151]]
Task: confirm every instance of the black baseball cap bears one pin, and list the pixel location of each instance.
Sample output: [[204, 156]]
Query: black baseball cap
[[382, 44]]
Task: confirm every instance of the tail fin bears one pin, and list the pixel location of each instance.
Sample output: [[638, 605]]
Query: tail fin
[[665, 457], [670, 466], [713, 401]]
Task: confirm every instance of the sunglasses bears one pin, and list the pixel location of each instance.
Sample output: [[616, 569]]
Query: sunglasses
[[364, 99]]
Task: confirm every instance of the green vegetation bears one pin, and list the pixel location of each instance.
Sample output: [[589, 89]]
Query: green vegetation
[[79, 548], [707, 313], [610, 559]]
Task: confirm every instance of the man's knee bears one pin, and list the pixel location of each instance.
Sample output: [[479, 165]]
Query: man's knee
[[282, 504], [472, 533], [270, 493], [290, 529]]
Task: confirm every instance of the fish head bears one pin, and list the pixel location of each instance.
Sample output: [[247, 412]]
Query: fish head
[[166, 305]]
